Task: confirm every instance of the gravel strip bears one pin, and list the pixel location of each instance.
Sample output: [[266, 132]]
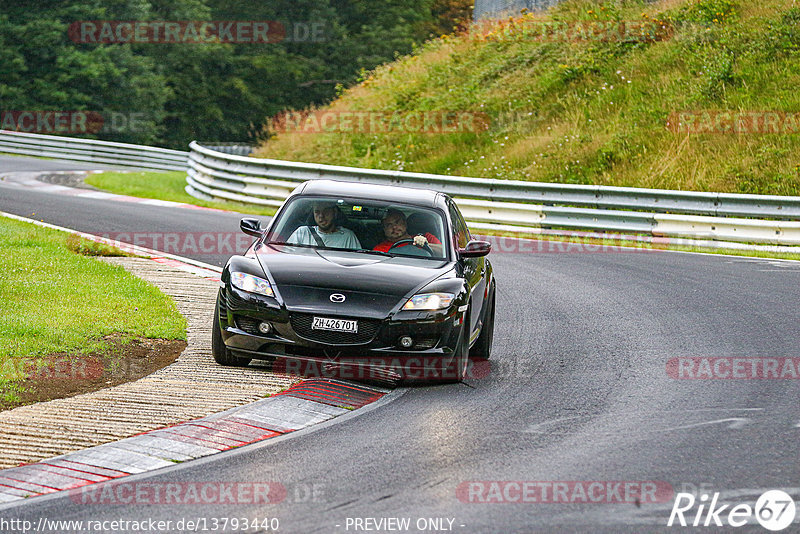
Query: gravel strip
[[192, 387]]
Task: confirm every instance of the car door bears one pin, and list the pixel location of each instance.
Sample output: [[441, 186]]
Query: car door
[[474, 268]]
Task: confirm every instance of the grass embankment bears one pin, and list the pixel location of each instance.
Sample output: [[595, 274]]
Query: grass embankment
[[163, 186], [586, 111], [56, 300]]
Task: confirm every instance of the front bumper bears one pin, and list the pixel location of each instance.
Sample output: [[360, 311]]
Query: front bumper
[[375, 352]]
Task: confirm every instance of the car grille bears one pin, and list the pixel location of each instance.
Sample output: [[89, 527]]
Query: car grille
[[367, 329], [223, 308], [425, 343], [248, 325]]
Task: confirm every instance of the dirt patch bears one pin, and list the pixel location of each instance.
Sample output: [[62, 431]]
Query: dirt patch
[[60, 375], [69, 180]]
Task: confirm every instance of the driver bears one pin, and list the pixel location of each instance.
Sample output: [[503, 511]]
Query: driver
[[395, 228], [327, 233]]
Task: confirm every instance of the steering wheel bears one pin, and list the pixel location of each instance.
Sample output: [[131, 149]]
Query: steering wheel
[[401, 242]]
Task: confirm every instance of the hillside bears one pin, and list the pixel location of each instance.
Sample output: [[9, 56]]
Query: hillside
[[567, 105]]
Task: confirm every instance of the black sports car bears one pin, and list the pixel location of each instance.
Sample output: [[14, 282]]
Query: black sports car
[[359, 281]]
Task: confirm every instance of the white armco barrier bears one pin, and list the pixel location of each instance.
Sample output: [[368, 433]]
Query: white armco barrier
[[511, 205], [93, 151], [503, 205]]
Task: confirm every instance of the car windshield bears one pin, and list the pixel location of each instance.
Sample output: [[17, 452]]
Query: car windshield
[[371, 227]]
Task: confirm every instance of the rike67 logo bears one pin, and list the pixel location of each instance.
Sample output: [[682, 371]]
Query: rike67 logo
[[774, 510]]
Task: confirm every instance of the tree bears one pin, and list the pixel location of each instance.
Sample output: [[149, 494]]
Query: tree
[[179, 92], [44, 71]]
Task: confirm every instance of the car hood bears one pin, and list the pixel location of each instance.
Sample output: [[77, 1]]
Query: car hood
[[373, 285]]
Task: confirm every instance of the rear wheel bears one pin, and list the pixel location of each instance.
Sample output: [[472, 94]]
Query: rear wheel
[[220, 352], [482, 348]]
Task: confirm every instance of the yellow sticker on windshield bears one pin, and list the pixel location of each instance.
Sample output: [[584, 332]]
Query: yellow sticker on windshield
[[356, 208]]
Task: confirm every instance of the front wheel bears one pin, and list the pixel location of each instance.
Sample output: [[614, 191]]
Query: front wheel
[[482, 348], [220, 352]]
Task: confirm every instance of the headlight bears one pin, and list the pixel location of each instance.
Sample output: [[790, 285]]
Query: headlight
[[251, 284], [429, 301]]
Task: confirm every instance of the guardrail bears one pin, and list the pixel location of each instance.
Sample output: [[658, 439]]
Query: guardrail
[[503, 205], [237, 149], [521, 206], [93, 151]]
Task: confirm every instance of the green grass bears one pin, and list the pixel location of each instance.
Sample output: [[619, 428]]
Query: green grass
[[54, 300], [163, 186], [590, 112]]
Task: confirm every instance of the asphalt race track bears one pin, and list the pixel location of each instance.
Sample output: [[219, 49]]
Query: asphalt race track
[[114, 218], [579, 391]]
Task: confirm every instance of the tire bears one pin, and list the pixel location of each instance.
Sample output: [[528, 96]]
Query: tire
[[220, 352], [457, 369], [482, 348]]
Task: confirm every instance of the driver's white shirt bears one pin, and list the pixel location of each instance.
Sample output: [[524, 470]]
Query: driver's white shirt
[[341, 238]]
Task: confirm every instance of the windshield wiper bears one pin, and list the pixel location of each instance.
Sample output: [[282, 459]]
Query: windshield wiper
[[283, 243], [398, 254], [379, 252]]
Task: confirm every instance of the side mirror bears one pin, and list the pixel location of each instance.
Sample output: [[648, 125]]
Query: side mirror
[[475, 249], [251, 227]]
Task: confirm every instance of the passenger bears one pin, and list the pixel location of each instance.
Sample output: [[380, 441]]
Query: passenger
[[396, 229], [327, 233]]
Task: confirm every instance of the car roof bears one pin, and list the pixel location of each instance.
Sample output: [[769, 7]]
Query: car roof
[[419, 197]]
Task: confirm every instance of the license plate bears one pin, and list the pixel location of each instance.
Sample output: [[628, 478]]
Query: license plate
[[335, 325]]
